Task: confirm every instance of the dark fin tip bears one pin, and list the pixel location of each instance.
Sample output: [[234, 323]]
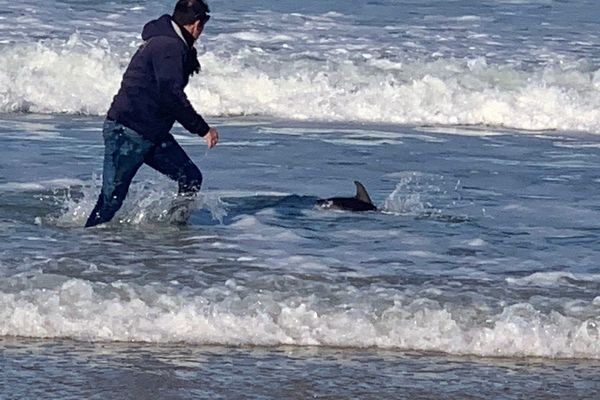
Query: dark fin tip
[[361, 193]]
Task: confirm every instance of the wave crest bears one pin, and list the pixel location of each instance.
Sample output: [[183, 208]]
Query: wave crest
[[81, 77], [79, 309]]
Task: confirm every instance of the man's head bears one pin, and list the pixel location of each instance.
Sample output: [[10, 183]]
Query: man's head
[[192, 15]]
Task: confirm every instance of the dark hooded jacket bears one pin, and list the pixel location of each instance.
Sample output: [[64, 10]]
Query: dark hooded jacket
[[151, 97]]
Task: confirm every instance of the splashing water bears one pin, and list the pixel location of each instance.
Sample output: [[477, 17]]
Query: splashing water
[[407, 197], [145, 204]]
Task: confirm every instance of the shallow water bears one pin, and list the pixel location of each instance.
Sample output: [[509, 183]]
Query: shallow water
[[85, 370], [485, 245]]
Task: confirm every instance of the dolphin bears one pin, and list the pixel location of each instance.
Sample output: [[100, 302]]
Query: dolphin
[[360, 202]]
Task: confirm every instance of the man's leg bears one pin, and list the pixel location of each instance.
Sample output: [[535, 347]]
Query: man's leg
[[170, 159], [124, 153]]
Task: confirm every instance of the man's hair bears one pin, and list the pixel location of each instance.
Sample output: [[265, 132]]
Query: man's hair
[[189, 11]]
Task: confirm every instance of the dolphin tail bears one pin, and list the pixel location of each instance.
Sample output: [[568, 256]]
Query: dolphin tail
[[361, 193]]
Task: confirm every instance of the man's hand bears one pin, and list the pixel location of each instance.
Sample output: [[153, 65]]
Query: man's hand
[[212, 138]]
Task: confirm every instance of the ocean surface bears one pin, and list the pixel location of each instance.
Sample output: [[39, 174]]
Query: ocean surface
[[475, 126]]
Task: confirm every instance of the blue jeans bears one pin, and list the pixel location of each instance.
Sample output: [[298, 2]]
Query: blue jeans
[[124, 153]]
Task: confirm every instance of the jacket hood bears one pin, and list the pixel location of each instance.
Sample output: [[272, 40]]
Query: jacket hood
[[159, 27]]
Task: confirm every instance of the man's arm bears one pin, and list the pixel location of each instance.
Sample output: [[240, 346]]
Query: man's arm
[[168, 70]]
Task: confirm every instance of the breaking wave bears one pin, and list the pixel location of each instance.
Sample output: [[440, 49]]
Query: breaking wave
[[80, 77], [51, 306]]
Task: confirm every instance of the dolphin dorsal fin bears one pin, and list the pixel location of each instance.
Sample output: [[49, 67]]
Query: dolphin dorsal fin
[[361, 193]]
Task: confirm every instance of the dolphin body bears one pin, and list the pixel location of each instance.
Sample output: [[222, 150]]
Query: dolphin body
[[360, 202]]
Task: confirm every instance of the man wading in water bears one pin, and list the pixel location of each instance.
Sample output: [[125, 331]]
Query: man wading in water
[[150, 100]]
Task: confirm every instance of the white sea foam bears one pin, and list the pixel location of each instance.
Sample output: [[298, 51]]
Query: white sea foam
[[419, 93], [41, 185], [81, 77], [79, 309], [253, 229], [554, 278], [69, 77], [476, 242]]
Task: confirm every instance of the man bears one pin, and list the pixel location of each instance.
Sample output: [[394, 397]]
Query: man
[[150, 100]]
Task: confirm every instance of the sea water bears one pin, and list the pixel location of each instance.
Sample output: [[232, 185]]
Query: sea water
[[474, 126]]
